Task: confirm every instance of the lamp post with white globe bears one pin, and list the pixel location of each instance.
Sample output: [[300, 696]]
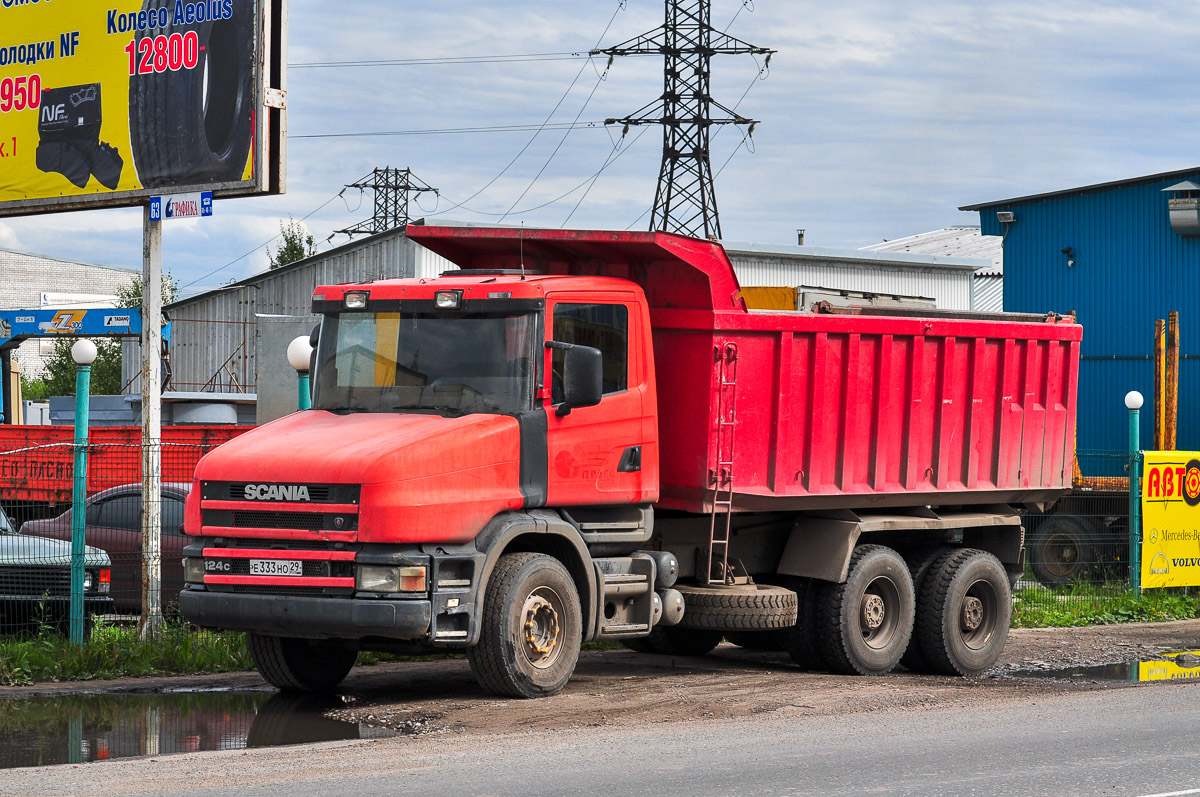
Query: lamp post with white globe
[[84, 354], [299, 353], [1133, 400]]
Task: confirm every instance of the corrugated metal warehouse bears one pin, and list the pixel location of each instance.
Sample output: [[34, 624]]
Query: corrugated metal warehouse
[[987, 292], [946, 280], [1110, 254], [233, 339]]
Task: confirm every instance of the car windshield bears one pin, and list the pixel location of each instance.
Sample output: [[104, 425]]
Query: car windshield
[[423, 362]]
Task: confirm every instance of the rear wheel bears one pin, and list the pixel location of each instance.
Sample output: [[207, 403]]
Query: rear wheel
[[532, 628], [800, 640], [864, 624], [300, 665], [920, 562], [1063, 549], [965, 610]]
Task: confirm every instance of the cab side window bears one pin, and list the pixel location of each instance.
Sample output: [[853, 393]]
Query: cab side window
[[601, 326]]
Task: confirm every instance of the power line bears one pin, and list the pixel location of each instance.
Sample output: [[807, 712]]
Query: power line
[[262, 245], [449, 60], [620, 7], [458, 130]]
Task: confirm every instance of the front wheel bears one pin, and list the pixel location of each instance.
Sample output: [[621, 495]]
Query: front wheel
[[532, 628], [300, 665]]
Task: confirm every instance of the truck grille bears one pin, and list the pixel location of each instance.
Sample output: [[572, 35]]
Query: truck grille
[[317, 493], [35, 581], [267, 519]]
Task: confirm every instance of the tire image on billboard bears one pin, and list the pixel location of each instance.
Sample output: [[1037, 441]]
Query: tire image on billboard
[[194, 126]]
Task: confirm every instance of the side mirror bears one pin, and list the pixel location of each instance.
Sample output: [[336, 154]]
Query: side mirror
[[313, 337], [583, 378]]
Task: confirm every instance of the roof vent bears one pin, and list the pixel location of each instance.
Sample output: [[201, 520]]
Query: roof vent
[[1184, 208]]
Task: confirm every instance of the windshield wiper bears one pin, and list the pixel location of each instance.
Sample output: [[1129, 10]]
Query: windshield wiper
[[346, 408], [455, 411]]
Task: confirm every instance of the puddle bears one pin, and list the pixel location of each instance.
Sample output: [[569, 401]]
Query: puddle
[[75, 729], [1169, 667]]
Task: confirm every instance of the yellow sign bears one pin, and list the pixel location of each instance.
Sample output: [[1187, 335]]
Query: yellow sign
[[1170, 670], [1171, 519], [108, 103]]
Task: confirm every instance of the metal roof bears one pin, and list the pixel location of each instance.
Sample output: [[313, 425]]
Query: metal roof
[[863, 258], [1087, 189], [960, 241]]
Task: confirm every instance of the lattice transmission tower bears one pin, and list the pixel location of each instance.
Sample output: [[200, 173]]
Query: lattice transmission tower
[[393, 188], [685, 201]]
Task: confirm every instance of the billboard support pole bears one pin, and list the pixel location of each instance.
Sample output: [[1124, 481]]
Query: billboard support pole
[[151, 622], [1133, 401], [84, 354]]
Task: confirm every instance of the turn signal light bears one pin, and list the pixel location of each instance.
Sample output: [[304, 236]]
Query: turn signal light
[[412, 579]]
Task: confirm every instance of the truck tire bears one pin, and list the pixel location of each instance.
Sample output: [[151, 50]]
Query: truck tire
[[753, 607], [194, 126], [299, 665], [920, 561], [865, 623], [531, 628], [964, 612], [800, 640], [1063, 550]]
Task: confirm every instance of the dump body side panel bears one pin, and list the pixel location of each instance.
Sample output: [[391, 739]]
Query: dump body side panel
[[855, 411]]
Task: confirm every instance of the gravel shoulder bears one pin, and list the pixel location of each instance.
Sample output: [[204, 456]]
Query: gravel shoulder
[[623, 687]]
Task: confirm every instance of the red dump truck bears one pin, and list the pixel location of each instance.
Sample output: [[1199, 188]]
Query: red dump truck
[[588, 435]]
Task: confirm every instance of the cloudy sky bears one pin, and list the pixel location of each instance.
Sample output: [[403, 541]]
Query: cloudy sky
[[878, 119]]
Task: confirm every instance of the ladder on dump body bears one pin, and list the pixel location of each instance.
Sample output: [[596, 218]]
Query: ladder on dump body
[[721, 476]]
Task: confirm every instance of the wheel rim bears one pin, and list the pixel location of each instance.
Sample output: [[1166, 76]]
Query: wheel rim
[[977, 615], [879, 612], [540, 627], [1060, 554]]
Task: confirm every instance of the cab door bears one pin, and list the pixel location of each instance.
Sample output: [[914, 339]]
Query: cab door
[[601, 454]]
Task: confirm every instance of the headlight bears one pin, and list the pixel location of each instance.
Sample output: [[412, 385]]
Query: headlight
[[356, 300], [447, 300], [193, 570], [374, 578], [89, 580]]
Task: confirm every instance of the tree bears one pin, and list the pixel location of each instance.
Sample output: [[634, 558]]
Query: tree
[[58, 377], [131, 294], [297, 244]]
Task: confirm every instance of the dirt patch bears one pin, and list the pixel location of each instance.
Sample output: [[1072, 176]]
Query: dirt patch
[[622, 687]]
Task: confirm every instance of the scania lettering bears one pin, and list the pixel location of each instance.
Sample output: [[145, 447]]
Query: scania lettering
[[276, 492], [584, 435]]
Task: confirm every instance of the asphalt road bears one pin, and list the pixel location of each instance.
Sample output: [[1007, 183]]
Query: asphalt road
[[1125, 741]]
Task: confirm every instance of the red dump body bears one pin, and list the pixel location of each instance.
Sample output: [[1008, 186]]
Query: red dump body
[[36, 462], [810, 411]]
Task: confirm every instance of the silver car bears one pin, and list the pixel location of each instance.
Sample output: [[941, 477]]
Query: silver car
[[35, 580]]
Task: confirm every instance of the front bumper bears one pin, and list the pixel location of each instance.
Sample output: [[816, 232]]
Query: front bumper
[[312, 618]]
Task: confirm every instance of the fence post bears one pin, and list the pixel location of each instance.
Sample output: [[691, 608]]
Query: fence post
[[299, 351], [83, 352], [1133, 400]]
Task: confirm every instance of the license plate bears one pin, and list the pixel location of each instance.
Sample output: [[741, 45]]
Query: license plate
[[276, 567]]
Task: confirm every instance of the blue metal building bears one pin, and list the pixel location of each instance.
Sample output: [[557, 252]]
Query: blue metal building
[[1119, 255]]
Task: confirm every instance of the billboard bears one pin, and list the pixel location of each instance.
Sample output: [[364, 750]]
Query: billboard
[[106, 104], [1171, 519]]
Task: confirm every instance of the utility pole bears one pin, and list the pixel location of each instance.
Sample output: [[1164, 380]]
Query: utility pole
[[685, 201], [392, 188]]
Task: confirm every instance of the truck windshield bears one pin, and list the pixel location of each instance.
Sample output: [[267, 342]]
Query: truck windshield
[[417, 362]]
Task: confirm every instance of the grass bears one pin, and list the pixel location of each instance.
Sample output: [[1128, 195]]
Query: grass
[[1100, 604], [112, 651]]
